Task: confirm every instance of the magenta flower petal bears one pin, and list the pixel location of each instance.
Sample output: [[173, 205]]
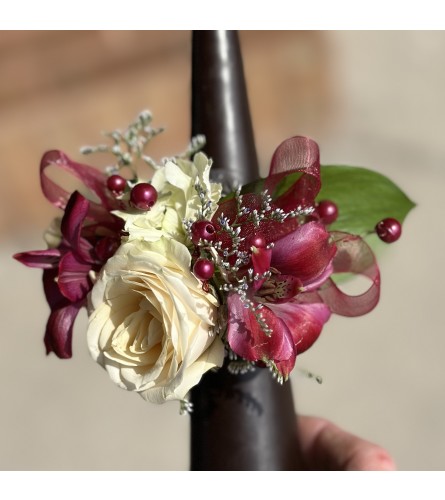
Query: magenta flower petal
[[305, 321], [309, 286], [280, 288], [91, 234], [297, 154], [304, 253], [261, 264], [288, 287], [72, 222], [59, 327], [59, 330], [43, 259], [75, 213], [73, 281], [248, 340]]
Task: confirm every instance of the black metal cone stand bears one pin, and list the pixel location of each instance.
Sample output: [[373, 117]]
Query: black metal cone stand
[[239, 422]]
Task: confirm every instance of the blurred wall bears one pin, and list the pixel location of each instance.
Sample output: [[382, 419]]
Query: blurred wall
[[63, 87]]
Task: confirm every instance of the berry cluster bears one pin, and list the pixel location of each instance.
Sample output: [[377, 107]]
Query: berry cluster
[[142, 196]]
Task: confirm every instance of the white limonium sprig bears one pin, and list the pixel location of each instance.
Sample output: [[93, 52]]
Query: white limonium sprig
[[274, 370], [207, 204], [185, 407], [128, 146], [240, 367], [196, 144]]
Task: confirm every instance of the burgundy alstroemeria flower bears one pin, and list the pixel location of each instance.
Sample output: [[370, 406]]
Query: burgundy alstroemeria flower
[[284, 324], [283, 313], [90, 234], [300, 295]]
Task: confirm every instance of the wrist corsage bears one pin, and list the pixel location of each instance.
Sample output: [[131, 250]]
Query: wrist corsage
[[179, 277]]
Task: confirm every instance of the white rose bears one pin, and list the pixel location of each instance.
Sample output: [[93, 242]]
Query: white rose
[[177, 200], [150, 321]]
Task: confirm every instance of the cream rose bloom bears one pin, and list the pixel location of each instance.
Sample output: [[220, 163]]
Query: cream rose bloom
[[150, 321], [177, 200]]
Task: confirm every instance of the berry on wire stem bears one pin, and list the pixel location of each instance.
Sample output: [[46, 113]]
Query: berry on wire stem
[[389, 230], [143, 196], [203, 269], [202, 230], [327, 210], [116, 184]]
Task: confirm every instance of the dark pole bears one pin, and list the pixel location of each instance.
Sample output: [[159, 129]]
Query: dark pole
[[220, 109], [239, 422]]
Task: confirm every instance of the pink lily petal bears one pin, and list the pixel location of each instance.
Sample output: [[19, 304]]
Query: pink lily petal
[[105, 248], [74, 282], [261, 264], [249, 341], [75, 212], [297, 154], [94, 180], [305, 321], [288, 287], [304, 253], [44, 259], [314, 284], [59, 327], [353, 256], [280, 288], [59, 330]]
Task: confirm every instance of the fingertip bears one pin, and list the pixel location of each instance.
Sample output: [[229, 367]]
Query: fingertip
[[327, 447], [370, 457]]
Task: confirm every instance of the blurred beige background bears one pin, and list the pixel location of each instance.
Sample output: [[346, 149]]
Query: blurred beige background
[[369, 98]]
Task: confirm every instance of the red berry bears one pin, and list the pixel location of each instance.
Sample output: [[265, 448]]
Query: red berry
[[327, 211], [202, 230], [257, 240], [116, 184], [389, 230], [203, 269], [143, 196]]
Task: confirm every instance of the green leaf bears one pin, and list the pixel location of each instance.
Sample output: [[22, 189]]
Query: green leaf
[[256, 187], [286, 183], [363, 198]]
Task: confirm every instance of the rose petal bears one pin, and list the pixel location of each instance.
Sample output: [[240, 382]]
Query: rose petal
[[304, 253], [248, 340]]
